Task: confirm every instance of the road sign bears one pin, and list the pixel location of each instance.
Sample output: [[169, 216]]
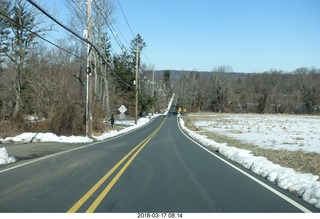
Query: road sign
[[179, 109], [185, 110], [122, 109], [122, 116]]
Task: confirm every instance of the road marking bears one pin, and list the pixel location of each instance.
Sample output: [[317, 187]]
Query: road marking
[[294, 203], [67, 151], [99, 183], [104, 193]]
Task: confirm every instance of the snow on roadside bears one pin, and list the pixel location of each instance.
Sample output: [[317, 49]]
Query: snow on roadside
[[4, 157], [29, 137], [36, 137], [113, 133], [50, 137], [303, 184]]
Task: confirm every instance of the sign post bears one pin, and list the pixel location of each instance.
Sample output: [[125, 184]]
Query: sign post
[[179, 111], [122, 109]]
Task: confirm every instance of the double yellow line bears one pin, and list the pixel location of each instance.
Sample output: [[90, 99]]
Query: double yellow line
[[103, 194]]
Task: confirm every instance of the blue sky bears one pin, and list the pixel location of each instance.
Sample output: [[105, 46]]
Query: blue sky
[[248, 35]]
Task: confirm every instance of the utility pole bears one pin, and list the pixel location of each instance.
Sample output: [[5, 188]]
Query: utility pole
[[152, 81], [89, 74], [137, 83]]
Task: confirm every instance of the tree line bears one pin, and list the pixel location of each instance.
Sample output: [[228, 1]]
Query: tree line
[[46, 78], [274, 91]]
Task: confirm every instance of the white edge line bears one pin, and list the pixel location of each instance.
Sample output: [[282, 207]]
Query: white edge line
[[294, 203], [74, 149]]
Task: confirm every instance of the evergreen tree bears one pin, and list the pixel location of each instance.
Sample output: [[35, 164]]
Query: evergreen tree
[[137, 42]]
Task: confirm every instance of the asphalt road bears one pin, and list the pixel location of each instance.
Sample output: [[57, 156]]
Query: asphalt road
[[153, 169]]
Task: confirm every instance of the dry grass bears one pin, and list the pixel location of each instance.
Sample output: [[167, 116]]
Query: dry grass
[[298, 160]]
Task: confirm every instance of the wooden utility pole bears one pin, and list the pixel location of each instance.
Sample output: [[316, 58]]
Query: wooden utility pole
[[89, 74], [137, 83]]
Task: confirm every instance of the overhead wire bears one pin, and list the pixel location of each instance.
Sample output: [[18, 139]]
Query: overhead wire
[[76, 35], [58, 22], [120, 32], [104, 14], [66, 28], [125, 17], [41, 37]]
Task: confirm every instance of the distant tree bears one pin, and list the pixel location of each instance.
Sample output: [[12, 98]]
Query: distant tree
[[137, 42], [268, 86], [308, 85], [124, 71], [191, 91], [220, 89], [166, 80]]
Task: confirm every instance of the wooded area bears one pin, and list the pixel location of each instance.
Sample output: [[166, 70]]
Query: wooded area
[[275, 91], [44, 78]]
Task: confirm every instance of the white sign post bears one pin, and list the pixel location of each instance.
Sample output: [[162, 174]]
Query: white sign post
[[122, 110]]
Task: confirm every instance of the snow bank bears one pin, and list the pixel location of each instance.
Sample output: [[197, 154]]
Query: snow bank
[[4, 157], [303, 184], [45, 137], [50, 137], [29, 137], [169, 106], [113, 133]]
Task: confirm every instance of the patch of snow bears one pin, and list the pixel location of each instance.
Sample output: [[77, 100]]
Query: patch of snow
[[140, 122], [50, 137], [4, 157], [289, 132], [303, 184], [29, 137]]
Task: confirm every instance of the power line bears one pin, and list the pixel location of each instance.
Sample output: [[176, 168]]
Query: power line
[[125, 17], [104, 14], [120, 32], [66, 28], [81, 38], [56, 21], [41, 37]]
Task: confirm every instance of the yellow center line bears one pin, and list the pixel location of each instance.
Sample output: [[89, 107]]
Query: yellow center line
[[103, 194], [76, 206], [95, 204]]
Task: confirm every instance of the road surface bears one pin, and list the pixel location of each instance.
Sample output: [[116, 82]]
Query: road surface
[[153, 169]]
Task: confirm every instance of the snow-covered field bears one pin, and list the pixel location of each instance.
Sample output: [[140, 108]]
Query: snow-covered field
[[290, 132], [269, 131]]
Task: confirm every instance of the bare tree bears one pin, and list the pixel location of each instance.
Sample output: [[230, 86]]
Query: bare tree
[[24, 24], [220, 88], [308, 85]]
